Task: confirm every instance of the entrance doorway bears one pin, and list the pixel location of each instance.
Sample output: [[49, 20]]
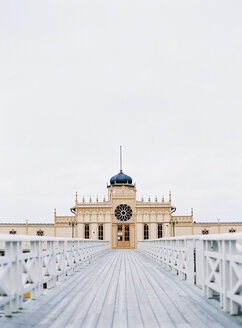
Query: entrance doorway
[[123, 236]]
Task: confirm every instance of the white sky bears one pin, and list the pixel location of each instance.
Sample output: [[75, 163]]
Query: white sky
[[80, 77]]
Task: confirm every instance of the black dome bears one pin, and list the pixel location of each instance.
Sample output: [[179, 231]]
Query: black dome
[[121, 178]]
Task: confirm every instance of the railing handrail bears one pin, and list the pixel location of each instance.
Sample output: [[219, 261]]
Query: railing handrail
[[224, 236], [6, 237]]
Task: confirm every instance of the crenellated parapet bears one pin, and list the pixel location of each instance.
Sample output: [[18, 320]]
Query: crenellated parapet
[[64, 219], [183, 218]]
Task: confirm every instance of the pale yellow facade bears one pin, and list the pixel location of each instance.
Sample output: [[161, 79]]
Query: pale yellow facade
[[122, 220]]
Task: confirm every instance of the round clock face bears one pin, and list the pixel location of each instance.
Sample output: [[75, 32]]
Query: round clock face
[[123, 212]]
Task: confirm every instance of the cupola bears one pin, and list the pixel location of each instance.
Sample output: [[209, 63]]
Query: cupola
[[121, 178]]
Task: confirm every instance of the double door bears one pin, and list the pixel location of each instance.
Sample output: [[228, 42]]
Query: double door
[[123, 236]]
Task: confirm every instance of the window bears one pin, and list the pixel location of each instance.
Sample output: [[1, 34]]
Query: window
[[205, 232], [86, 231], [232, 230], [100, 232], [120, 233], [40, 233], [12, 232], [126, 233], [123, 212], [159, 230], [146, 231]]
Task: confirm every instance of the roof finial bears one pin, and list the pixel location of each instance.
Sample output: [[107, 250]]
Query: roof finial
[[120, 158]]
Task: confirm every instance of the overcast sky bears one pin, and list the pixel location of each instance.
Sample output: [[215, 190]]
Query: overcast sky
[[80, 77]]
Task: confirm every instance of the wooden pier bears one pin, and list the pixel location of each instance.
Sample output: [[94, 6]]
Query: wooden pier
[[122, 288]]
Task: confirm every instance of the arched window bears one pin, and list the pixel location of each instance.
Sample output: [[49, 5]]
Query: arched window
[[100, 231], [40, 232], [205, 232], [159, 230], [12, 232], [146, 231], [232, 230], [86, 231]]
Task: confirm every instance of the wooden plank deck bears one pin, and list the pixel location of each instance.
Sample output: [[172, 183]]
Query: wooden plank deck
[[122, 288]]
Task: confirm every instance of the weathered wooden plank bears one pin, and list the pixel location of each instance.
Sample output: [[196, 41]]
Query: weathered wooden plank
[[165, 310], [84, 294]]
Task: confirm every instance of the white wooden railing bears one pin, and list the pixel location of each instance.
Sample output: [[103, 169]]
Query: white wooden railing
[[31, 263], [213, 262]]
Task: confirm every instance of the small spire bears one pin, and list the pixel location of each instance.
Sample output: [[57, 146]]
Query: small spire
[[54, 212], [142, 198], [97, 199], [191, 211], [76, 197], [83, 199], [149, 199], [163, 200], [156, 199], [90, 199], [104, 199], [169, 196]]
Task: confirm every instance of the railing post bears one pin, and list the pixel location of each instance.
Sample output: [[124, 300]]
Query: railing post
[[190, 261], [51, 247], [14, 285], [61, 265], [199, 262], [207, 291], [180, 259], [36, 270], [230, 278]]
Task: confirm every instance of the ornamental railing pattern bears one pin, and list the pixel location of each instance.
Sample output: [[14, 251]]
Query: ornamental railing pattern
[[31, 263], [212, 262]]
